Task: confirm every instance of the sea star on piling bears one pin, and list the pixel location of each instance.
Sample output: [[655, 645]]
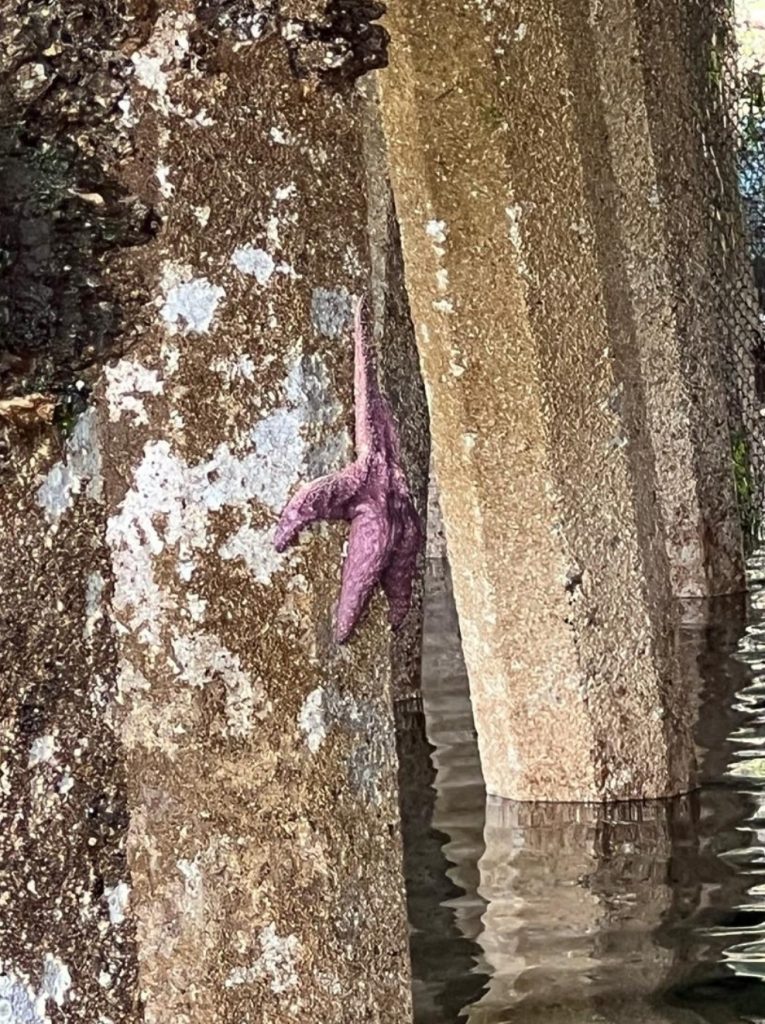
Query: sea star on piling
[[373, 495]]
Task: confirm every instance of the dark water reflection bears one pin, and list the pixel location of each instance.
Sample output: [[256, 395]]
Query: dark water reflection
[[572, 914]]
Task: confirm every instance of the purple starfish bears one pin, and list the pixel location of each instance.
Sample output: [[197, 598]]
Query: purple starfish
[[373, 495]]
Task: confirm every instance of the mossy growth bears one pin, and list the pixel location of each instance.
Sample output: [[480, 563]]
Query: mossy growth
[[71, 403], [746, 491]]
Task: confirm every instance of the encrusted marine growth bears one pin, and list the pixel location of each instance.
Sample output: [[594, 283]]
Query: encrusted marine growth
[[372, 494]]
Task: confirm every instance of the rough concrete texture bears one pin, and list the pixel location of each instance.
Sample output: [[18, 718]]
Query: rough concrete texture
[[657, 238], [67, 938], [549, 433], [210, 798], [682, 49]]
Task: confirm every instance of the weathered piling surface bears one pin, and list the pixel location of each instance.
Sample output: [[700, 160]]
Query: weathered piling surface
[[199, 807], [581, 447]]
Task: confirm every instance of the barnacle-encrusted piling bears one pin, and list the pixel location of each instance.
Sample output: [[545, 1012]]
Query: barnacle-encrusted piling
[[198, 805]]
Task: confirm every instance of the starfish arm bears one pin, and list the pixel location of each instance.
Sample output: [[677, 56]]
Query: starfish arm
[[398, 578], [369, 545], [325, 498]]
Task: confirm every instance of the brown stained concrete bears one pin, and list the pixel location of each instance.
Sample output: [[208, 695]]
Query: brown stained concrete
[[65, 945], [545, 420], [264, 823], [248, 766]]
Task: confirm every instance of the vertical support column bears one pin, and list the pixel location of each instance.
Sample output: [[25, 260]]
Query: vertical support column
[[252, 761], [559, 408], [687, 138], [654, 197]]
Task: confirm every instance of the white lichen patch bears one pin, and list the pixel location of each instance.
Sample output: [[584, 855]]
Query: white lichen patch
[[79, 472], [273, 225], [127, 115], [193, 887], [277, 959], [203, 119], [162, 174], [521, 32], [308, 388], [171, 356], [94, 591], [442, 280], [444, 306], [117, 898], [197, 606], [277, 963], [169, 504], [255, 547], [192, 875], [255, 262], [42, 750], [149, 72], [19, 1003], [279, 136], [285, 192], [65, 784], [190, 303], [186, 569], [130, 681], [201, 659], [514, 215], [147, 725], [126, 382], [312, 721], [235, 368], [202, 214], [162, 55], [189, 894], [280, 455], [56, 981], [437, 230], [336, 450], [331, 311]]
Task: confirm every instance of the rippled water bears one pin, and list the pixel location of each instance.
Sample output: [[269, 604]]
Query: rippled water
[[642, 912]]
